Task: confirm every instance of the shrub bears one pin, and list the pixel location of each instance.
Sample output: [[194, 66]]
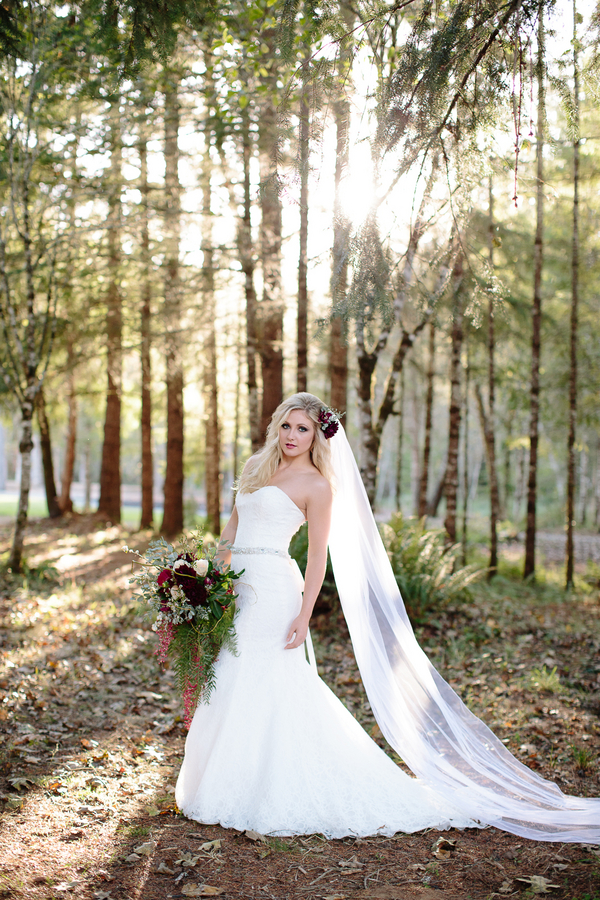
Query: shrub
[[426, 568]]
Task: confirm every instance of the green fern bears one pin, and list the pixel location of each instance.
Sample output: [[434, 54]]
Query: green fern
[[426, 568]]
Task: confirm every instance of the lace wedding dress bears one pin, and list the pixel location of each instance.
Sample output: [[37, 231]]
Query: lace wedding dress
[[275, 751]]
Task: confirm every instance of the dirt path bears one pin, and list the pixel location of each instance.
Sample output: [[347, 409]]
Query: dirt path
[[91, 741]]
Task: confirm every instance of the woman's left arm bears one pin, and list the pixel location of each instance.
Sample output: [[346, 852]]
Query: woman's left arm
[[318, 514]]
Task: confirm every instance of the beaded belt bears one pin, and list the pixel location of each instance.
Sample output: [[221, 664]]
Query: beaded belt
[[255, 550]]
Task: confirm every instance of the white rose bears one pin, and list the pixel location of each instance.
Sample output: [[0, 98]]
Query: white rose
[[201, 567]]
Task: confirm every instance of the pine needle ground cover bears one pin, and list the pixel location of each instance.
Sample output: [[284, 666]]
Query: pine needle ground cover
[[91, 740]]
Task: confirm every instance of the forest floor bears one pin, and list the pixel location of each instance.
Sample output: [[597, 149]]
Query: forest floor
[[91, 741]]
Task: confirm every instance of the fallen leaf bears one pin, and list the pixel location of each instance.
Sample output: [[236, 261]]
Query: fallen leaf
[[335, 897], [263, 852], [538, 884], [65, 886], [256, 836], [20, 782], [208, 846], [146, 849], [54, 785], [186, 859], [163, 869], [133, 857], [444, 848], [560, 866], [201, 890], [352, 863], [505, 888], [102, 895], [152, 811]]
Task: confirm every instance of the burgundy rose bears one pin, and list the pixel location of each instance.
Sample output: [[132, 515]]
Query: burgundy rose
[[190, 582], [163, 577]]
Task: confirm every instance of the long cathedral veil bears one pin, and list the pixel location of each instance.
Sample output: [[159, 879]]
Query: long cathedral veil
[[420, 715]]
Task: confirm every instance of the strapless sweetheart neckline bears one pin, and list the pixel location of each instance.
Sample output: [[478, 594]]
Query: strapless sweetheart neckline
[[281, 491]]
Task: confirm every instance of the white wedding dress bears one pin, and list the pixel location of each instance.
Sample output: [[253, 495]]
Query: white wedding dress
[[274, 750]]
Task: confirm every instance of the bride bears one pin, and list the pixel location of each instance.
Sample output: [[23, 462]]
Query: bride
[[275, 751]]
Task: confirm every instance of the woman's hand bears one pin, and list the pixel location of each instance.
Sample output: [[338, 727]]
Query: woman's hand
[[297, 633]]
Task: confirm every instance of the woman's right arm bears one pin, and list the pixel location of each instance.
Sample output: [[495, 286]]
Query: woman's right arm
[[228, 534]]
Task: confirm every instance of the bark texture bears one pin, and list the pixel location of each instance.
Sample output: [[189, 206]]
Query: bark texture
[[247, 261], [570, 546], [47, 462], [451, 481], [302, 324], [271, 308], [489, 421], [172, 523], [109, 504], [66, 503], [147, 475], [538, 257], [211, 403], [424, 480]]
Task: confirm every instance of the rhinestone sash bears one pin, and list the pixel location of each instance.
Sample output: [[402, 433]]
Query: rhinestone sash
[[260, 550]]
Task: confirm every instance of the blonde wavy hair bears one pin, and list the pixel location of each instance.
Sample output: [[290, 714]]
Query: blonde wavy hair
[[260, 468]]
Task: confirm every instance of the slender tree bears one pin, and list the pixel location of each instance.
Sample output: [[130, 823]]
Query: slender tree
[[451, 482], [303, 162], [248, 264], [489, 421], [65, 501], [422, 506], [47, 461], [211, 392], [538, 255], [338, 345], [147, 475], [172, 523], [570, 548], [109, 504], [271, 307]]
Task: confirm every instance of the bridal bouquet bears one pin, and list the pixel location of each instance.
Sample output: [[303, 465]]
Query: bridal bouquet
[[192, 602]]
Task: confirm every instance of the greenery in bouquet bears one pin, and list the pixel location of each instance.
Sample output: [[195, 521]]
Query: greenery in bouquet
[[191, 600]]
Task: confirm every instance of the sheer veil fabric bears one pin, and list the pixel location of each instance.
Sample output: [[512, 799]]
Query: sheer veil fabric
[[420, 715]]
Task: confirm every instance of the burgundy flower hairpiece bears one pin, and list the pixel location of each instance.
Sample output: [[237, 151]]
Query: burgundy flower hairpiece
[[329, 421]]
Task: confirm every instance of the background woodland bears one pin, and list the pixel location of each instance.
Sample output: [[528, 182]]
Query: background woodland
[[393, 205]]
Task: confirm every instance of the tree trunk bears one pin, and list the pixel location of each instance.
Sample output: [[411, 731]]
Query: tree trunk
[[400, 445], [371, 427], [47, 463], [338, 347], [436, 497], [109, 505], [172, 523], [422, 509], [570, 548], [451, 483], [490, 433], [147, 475], [66, 503], [302, 329], [212, 428], [271, 308], [25, 448], [247, 261], [465, 487], [529, 568]]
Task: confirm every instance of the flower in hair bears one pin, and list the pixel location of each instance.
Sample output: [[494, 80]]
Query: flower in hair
[[329, 421]]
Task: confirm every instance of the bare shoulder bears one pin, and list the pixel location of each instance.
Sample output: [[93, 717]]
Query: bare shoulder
[[318, 488]]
